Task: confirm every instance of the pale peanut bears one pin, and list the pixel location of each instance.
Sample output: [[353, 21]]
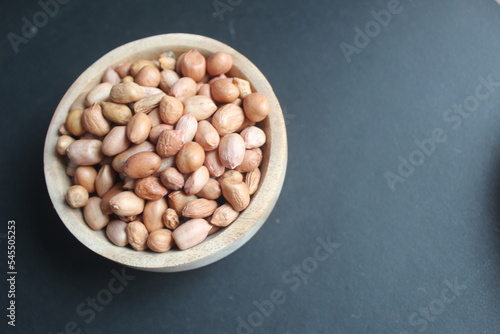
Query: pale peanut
[[126, 203], [177, 200], [153, 214], [201, 107], [138, 128], [85, 152], [172, 179], [142, 164], [126, 92], [227, 119], [137, 235], [224, 91], [191, 233], [160, 241], [224, 215], [231, 150], [219, 63], [111, 76], [63, 143], [148, 76], [253, 136], [211, 190], [193, 65], [77, 196], [98, 94], [207, 136], [116, 141], [252, 179], [183, 88], [213, 163], [256, 107], [188, 125], [115, 231], [94, 122], [196, 181], [104, 180], [93, 215], [85, 176], [199, 208], [251, 160]]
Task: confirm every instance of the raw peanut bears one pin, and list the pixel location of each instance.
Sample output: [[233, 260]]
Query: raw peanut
[[93, 215], [155, 132], [150, 91], [191, 233], [123, 69], [237, 102], [231, 150], [116, 141], [94, 122], [201, 107], [63, 143], [171, 219], [137, 235], [126, 203], [167, 63], [213, 163], [98, 94], [196, 181], [74, 122], [253, 136], [188, 125], [211, 190], [160, 241], [167, 79], [169, 143], [193, 65], [153, 214], [138, 128], [178, 64], [128, 78], [141, 165], [85, 152], [183, 88], [227, 119], [219, 63], [199, 208], [154, 116], [129, 183], [115, 231], [136, 67], [126, 92], [150, 188], [256, 107], [243, 87], [120, 159], [207, 136], [204, 91], [224, 91], [237, 194], [71, 168], [116, 113], [232, 176], [177, 200], [116, 189], [148, 76], [111, 76], [165, 163], [190, 157], [77, 196], [252, 180], [149, 103], [85, 176], [104, 180], [251, 160], [224, 215], [170, 109], [63, 131], [246, 123], [172, 179]]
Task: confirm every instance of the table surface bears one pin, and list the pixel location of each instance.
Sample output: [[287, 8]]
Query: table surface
[[389, 219]]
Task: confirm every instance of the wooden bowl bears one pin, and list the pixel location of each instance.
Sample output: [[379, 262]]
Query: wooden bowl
[[221, 243]]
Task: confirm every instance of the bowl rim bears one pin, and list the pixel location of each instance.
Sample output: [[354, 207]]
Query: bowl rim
[[230, 238]]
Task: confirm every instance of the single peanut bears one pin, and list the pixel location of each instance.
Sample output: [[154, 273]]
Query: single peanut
[[137, 66], [183, 88], [191, 233], [211, 190], [224, 215], [227, 119], [85, 176], [177, 200], [111, 76], [172, 178], [115, 190], [115, 231], [137, 235], [74, 122], [138, 128], [160, 241], [231, 150], [120, 159], [126, 92], [116, 112], [196, 181], [148, 76], [63, 143], [237, 194], [219, 63], [77, 196], [155, 132], [188, 125], [190, 157], [251, 160], [150, 188], [104, 180], [171, 219], [252, 179], [199, 208], [253, 136], [207, 136], [193, 65], [167, 79], [126, 203], [169, 143], [85, 152], [116, 141], [256, 107], [153, 214], [93, 215], [142, 164], [98, 94], [213, 163], [170, 109], [123, 69], [94, 122], [201, 107]]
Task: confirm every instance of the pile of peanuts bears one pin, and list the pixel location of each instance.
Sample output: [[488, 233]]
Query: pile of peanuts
[[164, 152]]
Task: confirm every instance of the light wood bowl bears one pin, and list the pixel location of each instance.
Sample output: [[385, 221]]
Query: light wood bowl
[[226, 240]]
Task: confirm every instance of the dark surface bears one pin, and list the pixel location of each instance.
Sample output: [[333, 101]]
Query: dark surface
[[396, 250]]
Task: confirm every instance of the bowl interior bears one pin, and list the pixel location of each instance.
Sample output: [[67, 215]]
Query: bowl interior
[[220, 243]]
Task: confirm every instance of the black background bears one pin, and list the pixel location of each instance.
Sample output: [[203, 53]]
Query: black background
[[397, 250]]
